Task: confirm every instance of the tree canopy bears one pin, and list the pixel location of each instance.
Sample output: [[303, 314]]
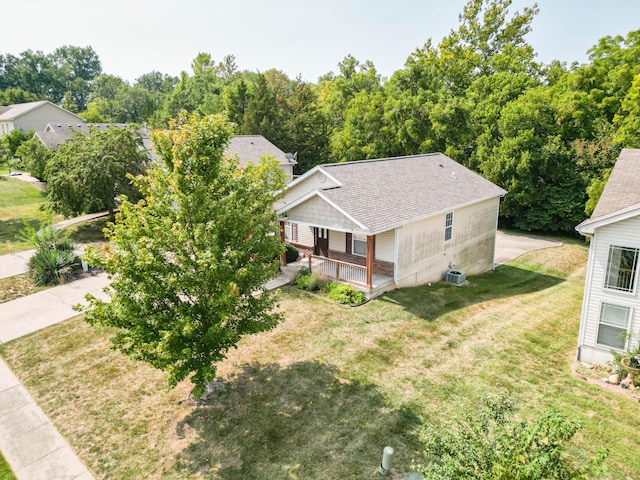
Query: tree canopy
[[187, 261], [478, 95], [88, 172]]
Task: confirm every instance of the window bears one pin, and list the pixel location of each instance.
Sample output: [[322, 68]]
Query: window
[[359, 246], [621, 268], [448, 226], [612, 328], [291, 232]]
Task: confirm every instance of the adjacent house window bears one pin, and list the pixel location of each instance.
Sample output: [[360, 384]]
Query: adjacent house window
[[291, 232], [359, 246], [613, 326], [448, 226], [621, 268]]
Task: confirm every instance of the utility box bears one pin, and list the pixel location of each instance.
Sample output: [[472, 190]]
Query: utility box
[[457, 277]]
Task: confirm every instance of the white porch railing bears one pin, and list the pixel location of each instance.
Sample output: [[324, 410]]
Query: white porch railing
[[342, 271]]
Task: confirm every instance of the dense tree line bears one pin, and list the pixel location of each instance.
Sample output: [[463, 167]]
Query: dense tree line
[[549, 134]]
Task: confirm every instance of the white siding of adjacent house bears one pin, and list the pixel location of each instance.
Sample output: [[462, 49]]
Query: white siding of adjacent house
[[316, 211], [305, 235], [337, 241], [385, 246], [625, 233], [424, 256], [38, 118], [6, 127], [311, 183]]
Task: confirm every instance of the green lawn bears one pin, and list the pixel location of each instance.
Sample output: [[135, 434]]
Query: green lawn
[[18, 200], [5, 470], [322, 394]]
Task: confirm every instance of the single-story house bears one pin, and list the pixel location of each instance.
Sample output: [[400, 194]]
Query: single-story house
[[249, 149], [610, 318], [393, 222], [34, 116]]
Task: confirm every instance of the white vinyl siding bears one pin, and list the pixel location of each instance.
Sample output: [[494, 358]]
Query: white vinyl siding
[[385, 246], [627, 234], [338, 241], [424, 256]]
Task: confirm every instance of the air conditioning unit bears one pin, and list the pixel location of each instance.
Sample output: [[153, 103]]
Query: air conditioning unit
[[456, 277]]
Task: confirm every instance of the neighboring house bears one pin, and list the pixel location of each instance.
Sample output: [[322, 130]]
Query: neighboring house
[[393, 222], [249, 148], [611, 306], [34, 116], [55, 133]]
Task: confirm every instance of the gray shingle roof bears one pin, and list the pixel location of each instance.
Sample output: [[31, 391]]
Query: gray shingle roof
[[385, 193], [621, 194], [10, 112], [250, 148]]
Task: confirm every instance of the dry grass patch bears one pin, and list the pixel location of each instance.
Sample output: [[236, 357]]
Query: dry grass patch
[[17, 286], [321, 395]]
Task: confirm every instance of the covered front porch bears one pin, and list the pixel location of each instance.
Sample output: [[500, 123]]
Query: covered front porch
[[345, 257]]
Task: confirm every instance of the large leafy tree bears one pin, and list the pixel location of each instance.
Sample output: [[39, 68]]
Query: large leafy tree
[[34, 156], [88, 172], [186, 262]]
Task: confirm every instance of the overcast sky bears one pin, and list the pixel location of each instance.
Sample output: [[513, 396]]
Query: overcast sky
[[309, 38]]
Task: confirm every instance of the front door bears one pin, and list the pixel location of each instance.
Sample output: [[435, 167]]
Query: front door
[[321, 244]]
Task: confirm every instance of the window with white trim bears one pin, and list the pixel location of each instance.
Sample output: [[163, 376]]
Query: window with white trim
[[448, 227], [621, 269], [613, 325], [291, 232], [359, 245]]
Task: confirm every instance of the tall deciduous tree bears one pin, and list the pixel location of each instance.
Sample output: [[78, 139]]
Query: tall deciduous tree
[[187, 260], [34, 156], [88, 172]]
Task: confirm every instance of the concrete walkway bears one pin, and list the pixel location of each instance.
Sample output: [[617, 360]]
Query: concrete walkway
[[14, 264], [34, 312], [28, 440]]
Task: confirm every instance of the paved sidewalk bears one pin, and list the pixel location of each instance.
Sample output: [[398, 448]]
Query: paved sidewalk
[[14, 264], [34, 312], [29, 441]]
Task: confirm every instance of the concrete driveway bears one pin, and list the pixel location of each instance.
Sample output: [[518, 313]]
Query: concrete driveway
[[511, 245]]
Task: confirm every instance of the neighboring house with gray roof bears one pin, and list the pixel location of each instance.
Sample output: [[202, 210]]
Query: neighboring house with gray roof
[[55, 133], [393, 222], [33, 116], [250, 148], [611, 304]]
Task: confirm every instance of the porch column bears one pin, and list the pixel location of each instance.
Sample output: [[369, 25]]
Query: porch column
[[283, 255], [369, 261]]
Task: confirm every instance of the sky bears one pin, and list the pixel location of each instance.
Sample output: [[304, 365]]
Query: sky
[[306, 38]]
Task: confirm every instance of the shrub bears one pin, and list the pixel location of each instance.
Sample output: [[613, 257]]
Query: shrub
[[309, 282], [291, 253], [50, 267], [488, 443], [345, 294], [47, 238]]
